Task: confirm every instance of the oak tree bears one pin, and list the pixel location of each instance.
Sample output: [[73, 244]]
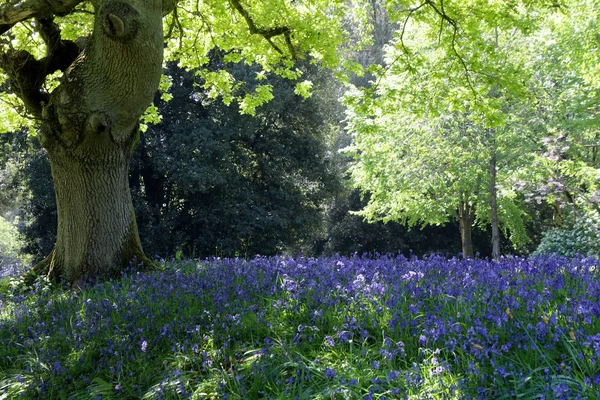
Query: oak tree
[[84, 72]]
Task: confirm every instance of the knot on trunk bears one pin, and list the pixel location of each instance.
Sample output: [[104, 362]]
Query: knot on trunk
[[98, 122], [120, 20]]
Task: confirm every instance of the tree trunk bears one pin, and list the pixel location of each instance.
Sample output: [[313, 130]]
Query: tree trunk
[[97, 231], [494, 200], [465, 218], [90, 129]]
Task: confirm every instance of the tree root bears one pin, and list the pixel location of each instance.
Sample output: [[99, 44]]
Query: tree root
[[46, 270]]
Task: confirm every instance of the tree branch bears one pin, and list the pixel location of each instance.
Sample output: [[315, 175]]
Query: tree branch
[[26, 78], [442, 12], [444, 17], [27, 74], [266, 33], [402, 33], [405, 51], [60, 54], [17, 11], [169, 6], [288, 40]]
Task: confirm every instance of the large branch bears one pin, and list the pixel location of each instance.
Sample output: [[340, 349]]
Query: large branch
[[27, 74], [25, 79], [17, 11], [168, 6]]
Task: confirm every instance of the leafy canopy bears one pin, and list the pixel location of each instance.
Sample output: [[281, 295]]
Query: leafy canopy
[[272, 34], [275, 33], [450, 96]]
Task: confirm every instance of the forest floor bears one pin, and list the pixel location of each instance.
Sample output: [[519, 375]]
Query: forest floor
[[311, 328]]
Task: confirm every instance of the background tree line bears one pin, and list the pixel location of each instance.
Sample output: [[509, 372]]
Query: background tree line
[[207, 180]]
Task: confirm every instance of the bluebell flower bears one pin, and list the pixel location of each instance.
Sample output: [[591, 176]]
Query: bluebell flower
[[393, 375], [329, 373], [329, 341]]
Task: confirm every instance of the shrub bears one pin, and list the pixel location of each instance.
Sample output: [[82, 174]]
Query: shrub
[[578, 236]]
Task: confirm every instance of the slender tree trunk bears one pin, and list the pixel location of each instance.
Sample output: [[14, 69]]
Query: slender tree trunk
[[465, 218], [90, 129], [494, 199]]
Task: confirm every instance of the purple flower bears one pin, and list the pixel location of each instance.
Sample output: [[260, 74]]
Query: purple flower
[[329, 373], [345, 336], [437, 370], [456, 305], [393, 375], [288, 284], [56, 367]]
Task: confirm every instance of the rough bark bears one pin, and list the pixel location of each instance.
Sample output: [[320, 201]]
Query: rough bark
[[97, 232], [90, 127], [465, 218]]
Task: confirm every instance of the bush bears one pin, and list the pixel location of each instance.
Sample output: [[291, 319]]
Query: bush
[[579, 235]]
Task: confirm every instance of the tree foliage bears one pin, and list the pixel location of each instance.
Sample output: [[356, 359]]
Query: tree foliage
[[270, 34], [564, 118], [207, 180], [217, 182], [446, 100]]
